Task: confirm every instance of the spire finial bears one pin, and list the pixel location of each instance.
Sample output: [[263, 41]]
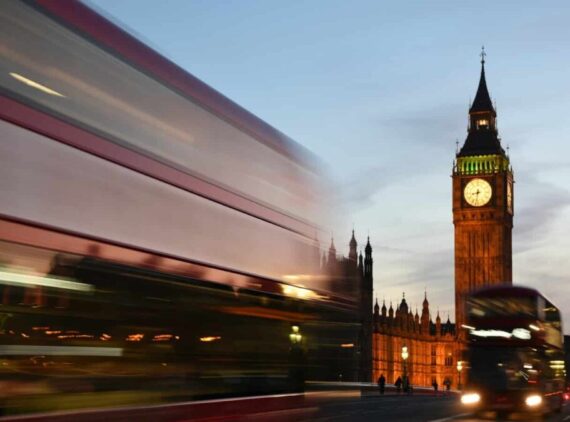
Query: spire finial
[[403, 295], [483, 55]]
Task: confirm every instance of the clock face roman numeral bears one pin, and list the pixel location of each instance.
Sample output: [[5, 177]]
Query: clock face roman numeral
[[477, 192]]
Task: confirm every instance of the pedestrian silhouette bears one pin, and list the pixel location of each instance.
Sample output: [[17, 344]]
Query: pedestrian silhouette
[[435, 386], [398, 385], [381, 383]]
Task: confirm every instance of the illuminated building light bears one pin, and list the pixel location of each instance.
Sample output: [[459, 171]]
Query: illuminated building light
[[105, 336], [53, 332], [162, 337], [35, 85], [209, 339], [40, 328], [520, 333], [470, 398], [135, 337], [533, 327], [527, 366], [15, 279], [67, 336], [17, 350], [298, 292], [347, 345], [295, 329], [533, 400], [24, 335], [467, 327], [491, 333]]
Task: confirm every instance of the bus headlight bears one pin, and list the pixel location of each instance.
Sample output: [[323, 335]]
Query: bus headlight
[[470, 398], [533, 400]]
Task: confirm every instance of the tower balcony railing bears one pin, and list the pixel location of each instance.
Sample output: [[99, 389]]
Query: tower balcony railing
[[481, 164]]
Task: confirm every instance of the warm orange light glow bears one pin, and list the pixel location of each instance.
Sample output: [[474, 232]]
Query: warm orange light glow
[[210, 339], [135, 337], [347, 345], [162, 337], [67, 336], [299, 292]]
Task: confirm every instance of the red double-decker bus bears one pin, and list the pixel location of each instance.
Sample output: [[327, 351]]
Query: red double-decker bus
[[157, 241], [515, 351]]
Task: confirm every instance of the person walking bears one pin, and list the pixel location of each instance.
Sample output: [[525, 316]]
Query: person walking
[[398, 385], [381, 384], [435, 386], [447, 384]]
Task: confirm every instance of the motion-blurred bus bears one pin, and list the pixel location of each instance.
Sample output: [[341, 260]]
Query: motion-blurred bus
[[157, 241], [515, 351]]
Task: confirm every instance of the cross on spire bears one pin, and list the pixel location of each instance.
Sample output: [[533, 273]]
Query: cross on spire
[[483, 54]]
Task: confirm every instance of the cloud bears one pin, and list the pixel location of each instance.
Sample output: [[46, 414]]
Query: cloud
[[431, 126], [543, 204], [362, 186]]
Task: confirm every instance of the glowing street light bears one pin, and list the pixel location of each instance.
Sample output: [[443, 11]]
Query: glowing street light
[[405, 356], [295, 336], [459, 369]]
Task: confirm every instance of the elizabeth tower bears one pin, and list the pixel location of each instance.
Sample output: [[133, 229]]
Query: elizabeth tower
[[482, 204]]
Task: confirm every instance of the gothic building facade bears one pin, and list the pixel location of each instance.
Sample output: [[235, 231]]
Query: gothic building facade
[[431, 348], [431, 345], [353, 278]]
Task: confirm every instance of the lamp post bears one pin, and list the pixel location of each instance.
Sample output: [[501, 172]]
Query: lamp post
[[295, 336], [404, 360], [459, 369]]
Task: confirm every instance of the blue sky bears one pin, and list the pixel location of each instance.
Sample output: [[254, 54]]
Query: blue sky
[[380, 90]]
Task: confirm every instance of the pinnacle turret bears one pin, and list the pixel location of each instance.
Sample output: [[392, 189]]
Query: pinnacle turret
[[482, 137], [482, 101]]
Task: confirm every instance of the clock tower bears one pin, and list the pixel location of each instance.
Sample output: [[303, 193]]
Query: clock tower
[[483, 204]]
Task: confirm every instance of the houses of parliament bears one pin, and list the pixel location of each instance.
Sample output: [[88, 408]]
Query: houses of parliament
[[482, 209]]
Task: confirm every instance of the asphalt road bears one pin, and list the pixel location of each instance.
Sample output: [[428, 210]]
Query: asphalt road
[[406, 408]]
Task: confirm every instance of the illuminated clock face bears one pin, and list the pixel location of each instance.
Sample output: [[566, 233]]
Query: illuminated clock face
[[477, 192]]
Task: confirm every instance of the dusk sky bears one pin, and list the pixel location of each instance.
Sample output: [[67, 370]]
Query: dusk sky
[[380, 91]]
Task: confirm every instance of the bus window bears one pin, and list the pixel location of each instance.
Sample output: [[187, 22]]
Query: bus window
[[480, 307]]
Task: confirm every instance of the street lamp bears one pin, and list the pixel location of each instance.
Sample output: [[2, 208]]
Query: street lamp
[[459, 369], [295, 336], [404, 359]]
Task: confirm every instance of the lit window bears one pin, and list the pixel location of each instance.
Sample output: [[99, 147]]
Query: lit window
[[482, 123]]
